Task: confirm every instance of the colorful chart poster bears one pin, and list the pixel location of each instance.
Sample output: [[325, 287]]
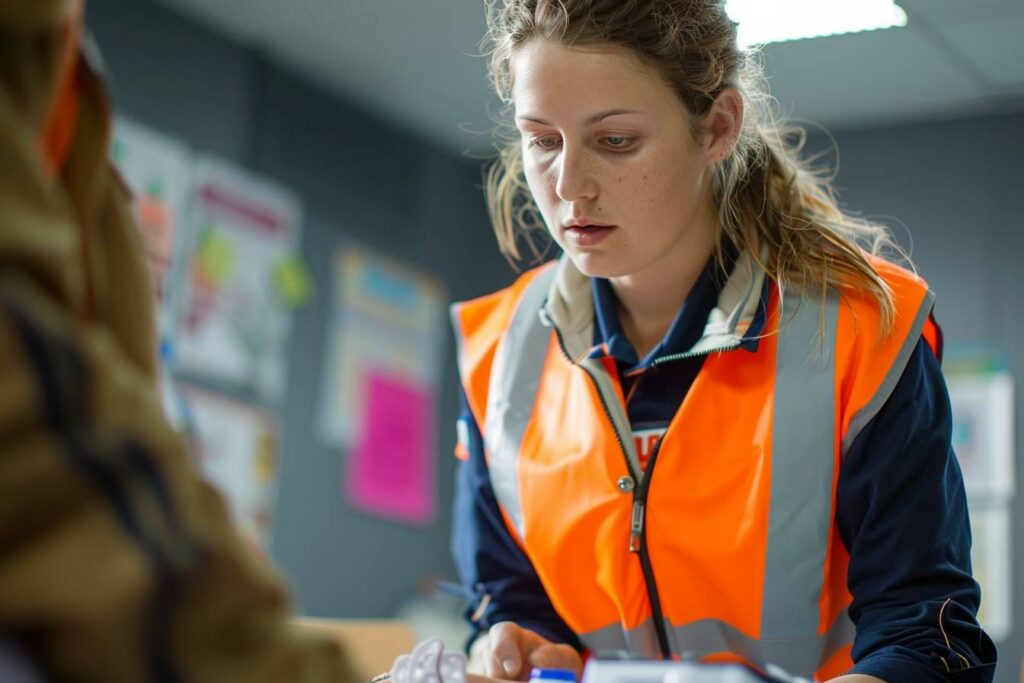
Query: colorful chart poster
[[983, 413], [236, 450], [383, 368], [157, 170], [235, 317]]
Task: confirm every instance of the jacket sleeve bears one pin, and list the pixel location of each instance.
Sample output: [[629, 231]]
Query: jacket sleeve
[[497, 576], [902, 514]]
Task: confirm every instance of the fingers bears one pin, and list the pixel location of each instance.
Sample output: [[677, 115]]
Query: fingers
[[560, 656], [506, 656], [512, 651]]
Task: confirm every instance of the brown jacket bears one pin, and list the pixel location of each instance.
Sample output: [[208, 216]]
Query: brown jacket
[[116, 562]]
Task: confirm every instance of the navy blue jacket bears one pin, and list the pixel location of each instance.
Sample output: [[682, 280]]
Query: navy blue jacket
[[901, 512]]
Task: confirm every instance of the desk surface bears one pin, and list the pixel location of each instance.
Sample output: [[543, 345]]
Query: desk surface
[[373, 644]]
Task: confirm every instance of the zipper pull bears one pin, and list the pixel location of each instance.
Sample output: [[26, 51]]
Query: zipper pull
[[636, 527]]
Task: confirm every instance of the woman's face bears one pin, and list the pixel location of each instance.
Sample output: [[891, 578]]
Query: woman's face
[[610, 157]]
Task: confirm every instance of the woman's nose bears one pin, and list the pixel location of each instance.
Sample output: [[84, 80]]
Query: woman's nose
[[576, 179]]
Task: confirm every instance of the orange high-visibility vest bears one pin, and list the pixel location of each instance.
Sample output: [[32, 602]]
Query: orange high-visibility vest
[[727, 547]]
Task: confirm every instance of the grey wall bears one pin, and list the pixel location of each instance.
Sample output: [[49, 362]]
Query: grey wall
[[956, 187], [359, 181]]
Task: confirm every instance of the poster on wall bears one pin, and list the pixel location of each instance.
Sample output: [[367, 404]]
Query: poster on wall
[[983, 417], [157, 170], [385, 351], [235, 447], [990, 559], [982, 398], [235, 315]]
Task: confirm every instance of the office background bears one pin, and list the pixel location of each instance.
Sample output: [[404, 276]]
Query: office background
[[951, 173]]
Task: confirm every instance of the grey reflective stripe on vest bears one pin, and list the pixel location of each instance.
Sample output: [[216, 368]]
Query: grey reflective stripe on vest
[[864, 415], [802, 472], [640, 640], [518, 364], [797, 656], [802, 468]]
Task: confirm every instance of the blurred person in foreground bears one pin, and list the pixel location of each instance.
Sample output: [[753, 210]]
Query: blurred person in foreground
[[116, 562]]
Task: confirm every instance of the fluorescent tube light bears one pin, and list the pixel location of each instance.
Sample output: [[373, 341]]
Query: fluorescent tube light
[[772, 21]]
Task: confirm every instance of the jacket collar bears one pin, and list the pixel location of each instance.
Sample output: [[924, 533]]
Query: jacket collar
[[569, 308]]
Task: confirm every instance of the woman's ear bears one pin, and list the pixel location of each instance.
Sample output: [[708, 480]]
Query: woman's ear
[[723, 124]]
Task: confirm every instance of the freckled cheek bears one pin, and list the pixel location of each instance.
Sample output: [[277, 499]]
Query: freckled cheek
[[637, 191]]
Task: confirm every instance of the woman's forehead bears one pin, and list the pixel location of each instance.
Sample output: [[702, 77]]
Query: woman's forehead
[[550, 78]]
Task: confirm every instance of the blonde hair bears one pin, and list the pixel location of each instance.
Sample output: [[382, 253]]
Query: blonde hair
[[771, 203]]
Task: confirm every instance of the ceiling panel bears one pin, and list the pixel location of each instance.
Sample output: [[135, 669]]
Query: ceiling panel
[[413, 63], [840, 80], [994, 46], [956, 10]]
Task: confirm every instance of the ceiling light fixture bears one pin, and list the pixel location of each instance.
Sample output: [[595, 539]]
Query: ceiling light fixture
[[773, 21]]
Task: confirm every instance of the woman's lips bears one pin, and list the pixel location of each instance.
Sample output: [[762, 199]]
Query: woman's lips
[[588, 235]]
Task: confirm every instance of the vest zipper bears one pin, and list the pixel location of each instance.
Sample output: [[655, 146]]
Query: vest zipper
[[637, 536], [693, 354], [638, 529], [637, 532]]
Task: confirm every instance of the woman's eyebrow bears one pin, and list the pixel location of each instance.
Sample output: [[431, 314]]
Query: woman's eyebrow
[[596, 118], [600, 116]]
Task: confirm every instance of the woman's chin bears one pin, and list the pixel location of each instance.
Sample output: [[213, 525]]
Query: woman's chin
[[594, 265]]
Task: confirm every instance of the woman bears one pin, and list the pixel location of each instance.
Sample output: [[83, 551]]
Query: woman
[[716, 428]]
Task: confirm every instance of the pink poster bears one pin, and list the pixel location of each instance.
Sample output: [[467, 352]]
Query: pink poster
[[391, 469]]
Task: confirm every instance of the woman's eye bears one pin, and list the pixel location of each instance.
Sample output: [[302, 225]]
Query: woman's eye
[[618, 141], [546, 142]]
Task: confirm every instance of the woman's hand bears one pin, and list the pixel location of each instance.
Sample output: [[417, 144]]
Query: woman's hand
[[429, 663], [509, 651]]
